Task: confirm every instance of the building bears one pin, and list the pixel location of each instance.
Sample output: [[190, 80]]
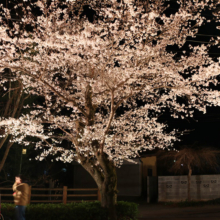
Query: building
[[132, 178]]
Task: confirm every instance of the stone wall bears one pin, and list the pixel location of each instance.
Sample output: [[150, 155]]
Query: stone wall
[[174, 188]]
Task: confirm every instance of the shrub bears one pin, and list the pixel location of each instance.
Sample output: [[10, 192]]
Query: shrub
[[76, 211]]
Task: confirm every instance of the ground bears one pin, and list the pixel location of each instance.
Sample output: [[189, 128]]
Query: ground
[[163, 212]]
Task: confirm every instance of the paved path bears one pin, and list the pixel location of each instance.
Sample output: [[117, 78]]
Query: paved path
[[162, 212]]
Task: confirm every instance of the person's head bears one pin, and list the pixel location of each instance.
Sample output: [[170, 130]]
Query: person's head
[[19, 178]]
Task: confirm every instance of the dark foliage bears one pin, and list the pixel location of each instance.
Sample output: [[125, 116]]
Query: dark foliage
[[76, 211]]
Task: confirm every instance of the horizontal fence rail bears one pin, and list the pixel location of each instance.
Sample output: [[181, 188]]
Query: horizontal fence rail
[[54, 195]]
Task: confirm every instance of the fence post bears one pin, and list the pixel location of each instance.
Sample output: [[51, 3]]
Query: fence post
[[29, 195], [64, 194], [99, 195]]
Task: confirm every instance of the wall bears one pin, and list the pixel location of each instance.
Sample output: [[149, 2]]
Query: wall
[[129, 179], [174, 188]]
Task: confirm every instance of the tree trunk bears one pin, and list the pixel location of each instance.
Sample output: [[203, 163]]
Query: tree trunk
[[106, 181], [189, 182], [108, 193], [5, 155]]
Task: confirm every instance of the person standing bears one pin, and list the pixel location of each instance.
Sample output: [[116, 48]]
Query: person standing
[[21, 191]]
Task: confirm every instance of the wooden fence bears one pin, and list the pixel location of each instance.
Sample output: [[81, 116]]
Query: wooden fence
[[54, 195]]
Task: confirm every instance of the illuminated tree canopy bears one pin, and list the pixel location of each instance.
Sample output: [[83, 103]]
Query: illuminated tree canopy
[[93, 73]]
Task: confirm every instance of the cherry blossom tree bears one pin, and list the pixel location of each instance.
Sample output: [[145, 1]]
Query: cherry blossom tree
[[106, 75]]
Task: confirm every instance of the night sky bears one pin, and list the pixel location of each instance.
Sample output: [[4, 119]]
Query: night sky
[[205, 128]]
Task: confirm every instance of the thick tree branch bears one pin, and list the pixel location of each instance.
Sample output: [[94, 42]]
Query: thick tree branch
[[112, 113]]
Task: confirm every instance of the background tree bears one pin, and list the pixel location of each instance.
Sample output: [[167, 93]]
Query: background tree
[[189, 158], [11, 104], [105, 75]]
